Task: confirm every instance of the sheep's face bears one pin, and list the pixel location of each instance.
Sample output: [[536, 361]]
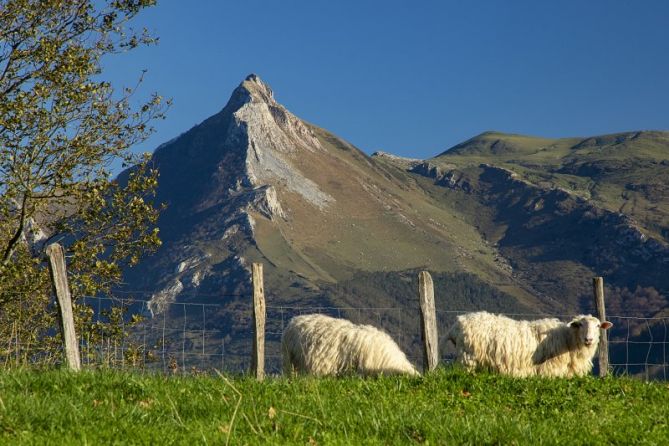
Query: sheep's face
[[587, 328]]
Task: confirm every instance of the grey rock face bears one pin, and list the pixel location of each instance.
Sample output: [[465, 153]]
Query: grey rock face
[[161, 300], [400, 161], [273, 136]]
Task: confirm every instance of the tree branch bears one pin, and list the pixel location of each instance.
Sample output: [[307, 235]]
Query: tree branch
[[14, 241]]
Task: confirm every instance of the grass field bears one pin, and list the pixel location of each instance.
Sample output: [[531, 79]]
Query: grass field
[[447, 407]]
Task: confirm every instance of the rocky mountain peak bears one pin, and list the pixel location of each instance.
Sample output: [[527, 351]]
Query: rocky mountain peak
[[271, 138], [229, 175], [253, 89], [253, 142]]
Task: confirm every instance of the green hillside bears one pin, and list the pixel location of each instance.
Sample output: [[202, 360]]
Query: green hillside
[[624, 172], [560, 211]]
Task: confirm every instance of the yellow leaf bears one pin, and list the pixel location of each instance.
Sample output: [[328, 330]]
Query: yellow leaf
[[145, 404]]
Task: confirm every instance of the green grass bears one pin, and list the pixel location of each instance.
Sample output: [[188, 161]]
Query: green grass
[[447, 407]]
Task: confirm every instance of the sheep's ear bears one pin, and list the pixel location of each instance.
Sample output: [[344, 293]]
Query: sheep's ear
[[605, 325], [575, 324]]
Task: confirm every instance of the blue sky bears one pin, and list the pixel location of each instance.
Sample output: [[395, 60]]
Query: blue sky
[[414, 77]]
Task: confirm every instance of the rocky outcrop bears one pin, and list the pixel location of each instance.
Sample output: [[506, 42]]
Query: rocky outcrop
[[161, 300], [271, 135], [622, 229], [399, 161], [451, 178]]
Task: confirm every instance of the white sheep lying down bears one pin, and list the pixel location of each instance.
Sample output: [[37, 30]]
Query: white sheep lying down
[[545, 347], [321, 345]]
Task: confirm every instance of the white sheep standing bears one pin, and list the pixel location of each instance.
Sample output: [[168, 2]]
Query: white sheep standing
[[321, 345], [544, 347]]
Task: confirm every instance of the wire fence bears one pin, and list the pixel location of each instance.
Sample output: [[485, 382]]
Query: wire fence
[[638, 346], [194, 337], [189, 337]]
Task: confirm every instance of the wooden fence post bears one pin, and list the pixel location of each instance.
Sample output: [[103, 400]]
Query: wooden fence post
[[598, 293], [258, 356], [428, 322], [58, 274]]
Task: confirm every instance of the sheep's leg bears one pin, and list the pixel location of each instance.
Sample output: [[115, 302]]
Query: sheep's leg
[[468, 360]]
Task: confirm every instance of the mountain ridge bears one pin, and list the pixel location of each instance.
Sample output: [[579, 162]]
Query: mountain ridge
[[606, 138]]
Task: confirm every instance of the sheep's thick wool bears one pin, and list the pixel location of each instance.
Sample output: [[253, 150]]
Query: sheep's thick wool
[[321, 345]]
